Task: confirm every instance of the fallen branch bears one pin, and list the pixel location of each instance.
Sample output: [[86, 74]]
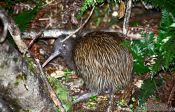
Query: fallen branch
[[46, 33], [53, 95], [55, 33]]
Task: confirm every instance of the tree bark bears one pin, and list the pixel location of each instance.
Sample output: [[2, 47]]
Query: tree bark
[[21, 88]]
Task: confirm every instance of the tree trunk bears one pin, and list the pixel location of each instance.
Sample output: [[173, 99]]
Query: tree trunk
[[21, 88]]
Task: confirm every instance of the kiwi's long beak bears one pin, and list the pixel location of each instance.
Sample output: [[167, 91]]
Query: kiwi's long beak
[[53, 55]]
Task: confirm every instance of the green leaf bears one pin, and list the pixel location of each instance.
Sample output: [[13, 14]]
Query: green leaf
[[148, 88], [23, 19], [172, 25], [62, 93]]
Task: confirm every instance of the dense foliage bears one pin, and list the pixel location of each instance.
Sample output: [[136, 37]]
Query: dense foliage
[[163, 4], [156, 52], [25, 17]]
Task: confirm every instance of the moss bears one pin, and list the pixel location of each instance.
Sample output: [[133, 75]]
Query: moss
[[3, 64], [30, 64], [20, 77], [62, 93], [15, 59], [23, 110], [13, 104]]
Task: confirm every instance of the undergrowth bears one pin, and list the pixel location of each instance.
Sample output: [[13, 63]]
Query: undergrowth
[[154, 54]]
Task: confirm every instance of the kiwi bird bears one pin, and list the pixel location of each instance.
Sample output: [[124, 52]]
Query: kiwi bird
[[99, 58]]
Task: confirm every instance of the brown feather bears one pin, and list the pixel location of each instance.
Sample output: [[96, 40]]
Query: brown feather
[[102, 61]]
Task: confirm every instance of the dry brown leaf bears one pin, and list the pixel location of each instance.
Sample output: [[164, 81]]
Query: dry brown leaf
[[57, 74], [121, 11]]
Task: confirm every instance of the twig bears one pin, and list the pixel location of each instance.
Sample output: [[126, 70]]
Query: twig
[[127, 16], [81, 25], [53, 95], [33, 40], [147, 6], [31, 43], [171, 95], [37, 36]]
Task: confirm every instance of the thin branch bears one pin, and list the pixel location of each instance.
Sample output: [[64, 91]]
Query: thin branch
[[80, 26], [34, 39], [127, 16], [171, 95], [53, 95], [147, 6]]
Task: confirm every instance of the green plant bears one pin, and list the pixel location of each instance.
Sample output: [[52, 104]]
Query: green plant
[[62, 93], [161, 49], [163, 4], [25, 17], [148, 88]]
